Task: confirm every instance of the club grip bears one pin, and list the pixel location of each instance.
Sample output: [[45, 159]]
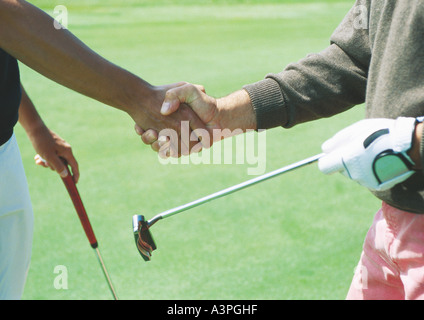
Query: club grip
[[82, 214]]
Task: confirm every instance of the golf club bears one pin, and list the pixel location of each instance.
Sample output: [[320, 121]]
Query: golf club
[[143, 238], [85, 222]]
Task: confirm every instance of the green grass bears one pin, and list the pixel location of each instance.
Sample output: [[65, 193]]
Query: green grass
[[295, 237]]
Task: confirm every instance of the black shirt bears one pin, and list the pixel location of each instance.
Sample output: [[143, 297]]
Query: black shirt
[[10, 95]]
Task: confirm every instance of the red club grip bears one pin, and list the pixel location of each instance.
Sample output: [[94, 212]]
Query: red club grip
[[82, 214]]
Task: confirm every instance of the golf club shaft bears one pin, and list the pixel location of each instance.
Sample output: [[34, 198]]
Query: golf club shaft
[[106, 274], [232, 189], [82, 214]]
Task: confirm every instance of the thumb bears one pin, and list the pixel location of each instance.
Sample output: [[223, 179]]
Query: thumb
[[169, 107], [171, 102], [183, 94]]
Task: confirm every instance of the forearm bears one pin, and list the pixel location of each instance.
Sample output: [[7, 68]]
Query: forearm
[[29, 35], [29, 118], [51, 149]]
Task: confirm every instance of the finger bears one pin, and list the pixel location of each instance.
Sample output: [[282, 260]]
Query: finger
[[164, 153], [57, 165], [40, 161], [72, 162], [162, 140], [197, 127], [155, 146], [200, 87], [166, 150], [149, 136], [171, 138], [138, 129], [176, 96]]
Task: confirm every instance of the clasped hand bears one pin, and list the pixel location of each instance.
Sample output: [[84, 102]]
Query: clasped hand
[[183, 124]]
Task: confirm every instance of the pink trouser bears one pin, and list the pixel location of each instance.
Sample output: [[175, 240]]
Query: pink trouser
[[392, 262]]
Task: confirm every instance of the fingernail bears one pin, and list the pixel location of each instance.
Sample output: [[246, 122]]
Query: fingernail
[[165, 107], [64, 173]]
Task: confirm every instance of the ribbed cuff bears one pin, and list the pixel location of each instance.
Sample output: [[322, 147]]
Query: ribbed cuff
[[268, 103]]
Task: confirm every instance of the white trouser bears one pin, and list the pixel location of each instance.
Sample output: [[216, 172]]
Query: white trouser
[[16, 222]]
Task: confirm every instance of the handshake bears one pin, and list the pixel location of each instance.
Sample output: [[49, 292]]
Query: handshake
[[184, 119], [180, 119]]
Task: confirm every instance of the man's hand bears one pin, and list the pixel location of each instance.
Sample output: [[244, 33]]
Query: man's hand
[[376, 153], [150, 121], [194, 96], [183, 98], [231, 112]]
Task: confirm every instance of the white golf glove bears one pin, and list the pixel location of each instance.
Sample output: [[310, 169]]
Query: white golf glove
[[372, 152]]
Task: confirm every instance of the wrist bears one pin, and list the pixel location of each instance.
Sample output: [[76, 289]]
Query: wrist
[[137, 94], [236, 112]]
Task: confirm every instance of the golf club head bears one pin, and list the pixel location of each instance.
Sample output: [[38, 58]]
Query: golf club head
[[143, 238]]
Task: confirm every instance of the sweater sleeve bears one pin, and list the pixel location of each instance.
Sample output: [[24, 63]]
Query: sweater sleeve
[[321, 84]]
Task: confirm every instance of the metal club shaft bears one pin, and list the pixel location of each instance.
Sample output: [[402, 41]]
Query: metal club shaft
[[109, 281], [232, 189]]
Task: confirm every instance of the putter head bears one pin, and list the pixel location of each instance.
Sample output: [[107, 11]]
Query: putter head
[[143, 238]]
